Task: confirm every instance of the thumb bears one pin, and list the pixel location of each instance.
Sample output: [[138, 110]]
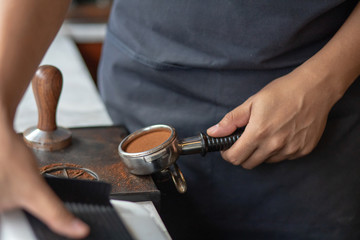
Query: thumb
[[46, 206], [233, 120]]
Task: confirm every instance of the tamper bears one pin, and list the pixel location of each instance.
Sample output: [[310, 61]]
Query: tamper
[[47, 85]]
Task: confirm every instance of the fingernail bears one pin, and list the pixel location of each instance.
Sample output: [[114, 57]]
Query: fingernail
[[79, 227], [213, 128]]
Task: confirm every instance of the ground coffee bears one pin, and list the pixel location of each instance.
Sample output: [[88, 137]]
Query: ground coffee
[[147, 141]]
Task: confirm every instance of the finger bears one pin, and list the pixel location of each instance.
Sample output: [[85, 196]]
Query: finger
[[238, 117], [278, 158], [305, 149], [290, 151], [286, 154], [255, 159], [297, 155], [273, 149], [242, 149], [48, 208], [262, 154]]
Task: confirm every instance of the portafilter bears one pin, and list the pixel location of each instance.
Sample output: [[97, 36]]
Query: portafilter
[[163, 156]]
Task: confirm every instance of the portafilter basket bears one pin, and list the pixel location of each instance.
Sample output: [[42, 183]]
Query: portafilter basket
[[163, 156]]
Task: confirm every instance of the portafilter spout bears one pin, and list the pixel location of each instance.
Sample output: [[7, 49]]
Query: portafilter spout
[[163, 156]]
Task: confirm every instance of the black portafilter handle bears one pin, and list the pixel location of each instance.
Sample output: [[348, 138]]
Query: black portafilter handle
[[215, 144], [204, 143]]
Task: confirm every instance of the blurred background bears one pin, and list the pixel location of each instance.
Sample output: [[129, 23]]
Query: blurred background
[[75, 52], [89, 11], [86, 25]]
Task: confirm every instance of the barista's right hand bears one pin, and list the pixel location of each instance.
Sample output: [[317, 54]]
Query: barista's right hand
[[27, 28], [21, 186]]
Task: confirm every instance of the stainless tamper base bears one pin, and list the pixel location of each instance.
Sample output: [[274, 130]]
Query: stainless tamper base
[[47, 140]]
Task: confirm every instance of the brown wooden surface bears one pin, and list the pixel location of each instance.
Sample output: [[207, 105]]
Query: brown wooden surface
[[96, 149]]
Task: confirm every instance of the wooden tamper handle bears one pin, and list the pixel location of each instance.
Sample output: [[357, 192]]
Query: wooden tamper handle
[[46, 85]]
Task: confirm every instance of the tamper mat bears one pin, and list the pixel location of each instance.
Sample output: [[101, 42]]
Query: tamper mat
[[89, 201]]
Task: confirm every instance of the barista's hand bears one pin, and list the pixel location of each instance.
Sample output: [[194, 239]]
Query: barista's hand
[[284, 120], [21, 186]]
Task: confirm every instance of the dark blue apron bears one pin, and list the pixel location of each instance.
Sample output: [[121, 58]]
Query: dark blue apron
[[186, 64]]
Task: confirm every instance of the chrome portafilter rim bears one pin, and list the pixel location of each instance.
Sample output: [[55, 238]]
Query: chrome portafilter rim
[[153, 160], [160, 158]]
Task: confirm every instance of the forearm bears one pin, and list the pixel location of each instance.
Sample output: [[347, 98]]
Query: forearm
[[27, 28], [337, 64]]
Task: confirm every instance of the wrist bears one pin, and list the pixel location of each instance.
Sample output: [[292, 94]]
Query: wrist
[[330, 79], [337, 64]]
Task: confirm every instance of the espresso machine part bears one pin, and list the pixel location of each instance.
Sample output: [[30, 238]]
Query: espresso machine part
[[163, 156], [46, 136]]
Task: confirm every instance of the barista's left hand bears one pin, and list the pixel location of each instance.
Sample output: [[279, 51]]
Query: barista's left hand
[[284, 120]]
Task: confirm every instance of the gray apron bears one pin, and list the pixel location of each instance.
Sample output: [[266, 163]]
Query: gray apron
[[186, 64]]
